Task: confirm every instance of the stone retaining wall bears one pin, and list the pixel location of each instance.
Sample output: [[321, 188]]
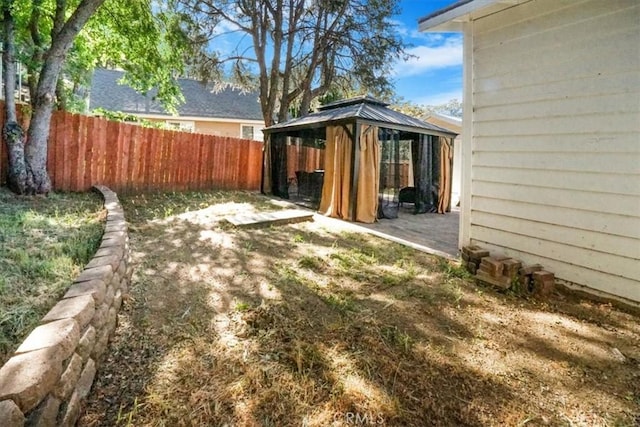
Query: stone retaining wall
[[48, 378]]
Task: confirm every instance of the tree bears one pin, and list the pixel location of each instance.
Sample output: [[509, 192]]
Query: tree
[[140, 37], [60, 55], [300, 49], [28, 163], [452, 108]]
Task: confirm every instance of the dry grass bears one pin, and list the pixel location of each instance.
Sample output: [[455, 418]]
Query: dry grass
[[312, 324], [44, 244]]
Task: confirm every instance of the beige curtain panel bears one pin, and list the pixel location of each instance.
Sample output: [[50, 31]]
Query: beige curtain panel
[[444, 194], [337, 173], [368, 175]]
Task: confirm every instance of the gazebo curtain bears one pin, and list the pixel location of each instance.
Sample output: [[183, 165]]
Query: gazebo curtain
[[368, 175], [421, 150], [336, 190], [277, 151], [266, 166], [431, 157], [444, 194]]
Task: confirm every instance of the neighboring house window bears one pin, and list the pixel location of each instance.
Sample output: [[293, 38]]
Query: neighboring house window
[[182, 126], [247, 131], [253, 132]]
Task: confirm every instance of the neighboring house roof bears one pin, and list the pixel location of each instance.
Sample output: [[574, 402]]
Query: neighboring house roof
[[200, 99], [454, 124], [450, 18], [446, 117], [365, 108]]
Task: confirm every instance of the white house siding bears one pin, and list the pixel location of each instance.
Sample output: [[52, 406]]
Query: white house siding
[[555, 174]]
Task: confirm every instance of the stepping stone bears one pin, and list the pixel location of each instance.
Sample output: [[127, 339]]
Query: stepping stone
[[265, 219]]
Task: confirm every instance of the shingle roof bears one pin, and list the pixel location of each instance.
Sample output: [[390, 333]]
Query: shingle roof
[[200, 100], [365, 108]]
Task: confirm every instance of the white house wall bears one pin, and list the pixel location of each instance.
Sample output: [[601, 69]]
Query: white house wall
[[555, 174]]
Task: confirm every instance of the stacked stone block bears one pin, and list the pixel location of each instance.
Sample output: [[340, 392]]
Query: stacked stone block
[[48, 378], [504, 272], [498, 271], [472, 256]]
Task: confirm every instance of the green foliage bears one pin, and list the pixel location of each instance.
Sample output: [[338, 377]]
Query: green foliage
[[119, 116], [242, 306], [452, 108], [144, 40], [453, 270], [311, 262], [397, 338], [340, 303], [148, 44]]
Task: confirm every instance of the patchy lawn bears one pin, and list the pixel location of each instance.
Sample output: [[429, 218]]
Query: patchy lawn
[[316, 324], [44, 244]]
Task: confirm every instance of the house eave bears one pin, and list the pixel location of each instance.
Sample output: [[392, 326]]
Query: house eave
[[452, 18]]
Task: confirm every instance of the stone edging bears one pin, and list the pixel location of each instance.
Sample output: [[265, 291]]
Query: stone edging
[[49, 376]]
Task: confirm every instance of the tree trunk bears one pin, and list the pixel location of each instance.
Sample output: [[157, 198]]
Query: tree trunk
[[61, 96], [12, 133], [38, 135], [33, 66]]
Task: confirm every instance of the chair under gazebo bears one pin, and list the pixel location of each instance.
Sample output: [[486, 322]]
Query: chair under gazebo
[[358, 160]]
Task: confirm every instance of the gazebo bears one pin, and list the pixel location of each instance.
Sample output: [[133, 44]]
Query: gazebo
[[358, 160]]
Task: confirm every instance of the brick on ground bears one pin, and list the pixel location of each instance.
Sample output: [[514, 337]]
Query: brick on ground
[[491, 266], [501, 282], [543, 283], [477, 254], [511, 268]]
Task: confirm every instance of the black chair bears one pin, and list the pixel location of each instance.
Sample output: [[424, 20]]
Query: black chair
[[407, 195]]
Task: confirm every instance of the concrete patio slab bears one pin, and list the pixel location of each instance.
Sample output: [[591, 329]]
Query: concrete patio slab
[[260, 219], [431, 232], [438, 232]]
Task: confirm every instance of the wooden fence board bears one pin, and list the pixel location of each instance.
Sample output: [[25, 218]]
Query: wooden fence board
[[149, 138], [184, 151], [89, 164], [154, 160], [101, 152], [208, 162], [124, 152], [85, 151], [74, 150], [200, 176], [137, 160], [170, 166]]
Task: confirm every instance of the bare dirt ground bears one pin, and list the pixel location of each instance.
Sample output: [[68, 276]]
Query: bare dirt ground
[[312, 324]]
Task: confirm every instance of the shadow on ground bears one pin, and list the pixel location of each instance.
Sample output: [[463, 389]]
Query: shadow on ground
[[309, 324]]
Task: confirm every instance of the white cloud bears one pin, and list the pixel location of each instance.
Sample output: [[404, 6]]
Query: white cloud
[[225, 27], [439, 52], [412, 34], [439, 98]]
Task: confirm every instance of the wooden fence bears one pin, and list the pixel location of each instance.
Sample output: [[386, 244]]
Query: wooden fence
[[300, 158], [84, 151]]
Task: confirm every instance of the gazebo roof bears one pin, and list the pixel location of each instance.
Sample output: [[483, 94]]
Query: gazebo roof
[[363, 108]]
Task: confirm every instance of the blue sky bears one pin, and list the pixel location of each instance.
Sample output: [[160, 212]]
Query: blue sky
[[435, 76]]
